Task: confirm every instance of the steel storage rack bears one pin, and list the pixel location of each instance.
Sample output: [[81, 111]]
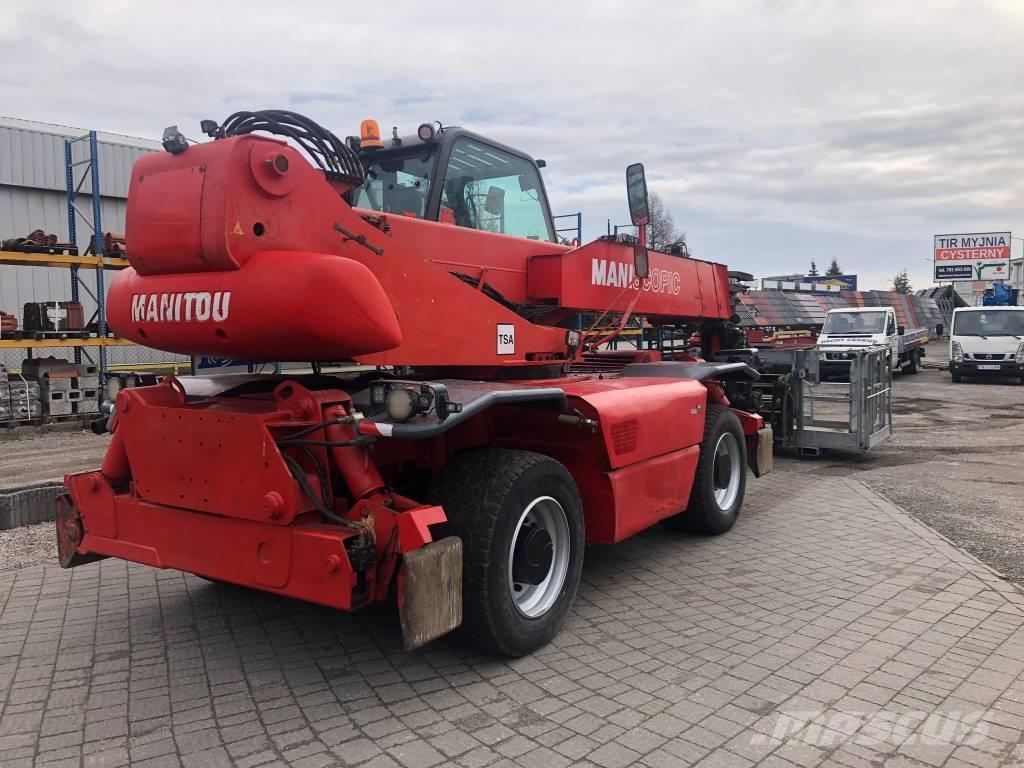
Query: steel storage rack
[[69, 257]]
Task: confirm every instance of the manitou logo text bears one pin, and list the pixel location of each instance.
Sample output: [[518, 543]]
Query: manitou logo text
[[201, 306], [618, 274]]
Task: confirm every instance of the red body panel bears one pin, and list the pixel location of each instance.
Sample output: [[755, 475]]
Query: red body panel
[[600, 274], [642, 418]]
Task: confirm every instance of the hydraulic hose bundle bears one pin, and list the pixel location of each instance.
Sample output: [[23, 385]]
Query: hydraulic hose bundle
[[330, 153]]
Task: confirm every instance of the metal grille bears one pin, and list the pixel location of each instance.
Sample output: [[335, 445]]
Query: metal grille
[[624, 435]]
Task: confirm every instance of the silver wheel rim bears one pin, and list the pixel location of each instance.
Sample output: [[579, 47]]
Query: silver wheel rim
[[533, 600], [728, 450]]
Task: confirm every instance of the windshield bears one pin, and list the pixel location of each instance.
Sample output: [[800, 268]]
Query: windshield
[[1006, 322], [395, 183], [854, 322]]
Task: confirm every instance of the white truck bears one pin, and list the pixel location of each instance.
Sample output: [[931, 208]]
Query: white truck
[[987, 341], [846, 330]]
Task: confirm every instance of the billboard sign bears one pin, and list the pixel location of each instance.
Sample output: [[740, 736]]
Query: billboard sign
[[845, 282], [976, 256]]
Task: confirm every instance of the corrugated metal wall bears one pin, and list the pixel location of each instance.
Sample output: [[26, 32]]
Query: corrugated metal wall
[[32, 196]]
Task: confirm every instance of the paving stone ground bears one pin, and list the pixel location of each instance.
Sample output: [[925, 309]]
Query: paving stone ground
[[828, 628]]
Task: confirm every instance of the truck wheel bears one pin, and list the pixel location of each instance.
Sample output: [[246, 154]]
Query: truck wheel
[[721, 477], [914, 364], [521, 523]]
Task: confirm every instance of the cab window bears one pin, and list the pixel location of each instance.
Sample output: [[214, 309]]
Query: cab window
[[395, 183], [488, 189]]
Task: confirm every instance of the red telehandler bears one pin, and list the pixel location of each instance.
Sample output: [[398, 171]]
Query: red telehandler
[[488, 438]]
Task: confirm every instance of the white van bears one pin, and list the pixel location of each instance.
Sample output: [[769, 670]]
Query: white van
[[987, 341]]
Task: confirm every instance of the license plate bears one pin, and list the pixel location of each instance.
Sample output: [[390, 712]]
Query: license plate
[[989, 367]]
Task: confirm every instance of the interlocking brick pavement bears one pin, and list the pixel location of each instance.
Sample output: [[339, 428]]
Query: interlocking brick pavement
[[828, 628]]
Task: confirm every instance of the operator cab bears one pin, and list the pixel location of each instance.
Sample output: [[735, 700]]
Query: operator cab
[[453, 176]]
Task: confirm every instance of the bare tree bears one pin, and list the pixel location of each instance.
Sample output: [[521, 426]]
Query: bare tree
[[662, 232]]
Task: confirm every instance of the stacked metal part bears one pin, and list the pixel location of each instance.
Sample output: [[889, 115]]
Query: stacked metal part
[[35, 241], [113, 244], [23, 397], [806, 309]]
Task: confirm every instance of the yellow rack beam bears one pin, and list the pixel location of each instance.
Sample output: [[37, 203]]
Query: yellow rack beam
[[16, 258], [604, 331], [42, 343]]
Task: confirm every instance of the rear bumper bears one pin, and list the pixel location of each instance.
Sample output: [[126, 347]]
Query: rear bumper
[[305, 560], [997, 368]]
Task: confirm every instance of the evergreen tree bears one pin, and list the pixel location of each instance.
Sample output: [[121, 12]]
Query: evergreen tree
[[833, 269], [813, 272], [901, 283]]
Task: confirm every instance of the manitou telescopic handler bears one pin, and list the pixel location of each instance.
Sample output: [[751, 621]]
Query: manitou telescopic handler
[[488, 438]]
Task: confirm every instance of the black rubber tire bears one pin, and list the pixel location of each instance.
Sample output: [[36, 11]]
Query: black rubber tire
[[955, 377], [914, 365], [703, 514], [483, 493]]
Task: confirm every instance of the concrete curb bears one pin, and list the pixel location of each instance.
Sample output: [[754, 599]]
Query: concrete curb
[[29, 505]]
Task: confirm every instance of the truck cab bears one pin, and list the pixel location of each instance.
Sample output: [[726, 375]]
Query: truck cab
[[848, 329], [453, 176], [987, 341]]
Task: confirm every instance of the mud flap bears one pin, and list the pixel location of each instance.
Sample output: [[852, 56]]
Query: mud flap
[[760, 454], [430, 591]]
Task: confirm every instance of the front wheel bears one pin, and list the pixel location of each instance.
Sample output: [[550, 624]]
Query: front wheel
[[720, 481], [521, 523]]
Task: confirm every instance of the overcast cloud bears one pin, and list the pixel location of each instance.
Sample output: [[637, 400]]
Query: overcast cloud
[[776, 132]]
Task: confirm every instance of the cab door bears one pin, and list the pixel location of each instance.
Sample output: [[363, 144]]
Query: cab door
[[892, 337]]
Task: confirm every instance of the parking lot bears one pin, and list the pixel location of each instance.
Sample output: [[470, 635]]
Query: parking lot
[[828, 628], [953, 462]]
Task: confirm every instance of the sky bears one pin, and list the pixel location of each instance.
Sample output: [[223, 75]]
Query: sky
[[776, 132]]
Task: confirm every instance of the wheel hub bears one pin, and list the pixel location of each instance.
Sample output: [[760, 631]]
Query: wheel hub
[[538, 557], [723, 469], [533, 555]]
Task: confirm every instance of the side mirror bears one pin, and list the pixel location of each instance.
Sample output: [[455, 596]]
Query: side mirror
[[636, 193], [495, 202], [901, 329]]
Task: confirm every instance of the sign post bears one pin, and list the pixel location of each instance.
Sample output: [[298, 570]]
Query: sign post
[[975, 256]]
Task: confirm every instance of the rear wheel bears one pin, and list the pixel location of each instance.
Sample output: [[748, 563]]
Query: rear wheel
[[721, 478], [521, 523], [914, 364]]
